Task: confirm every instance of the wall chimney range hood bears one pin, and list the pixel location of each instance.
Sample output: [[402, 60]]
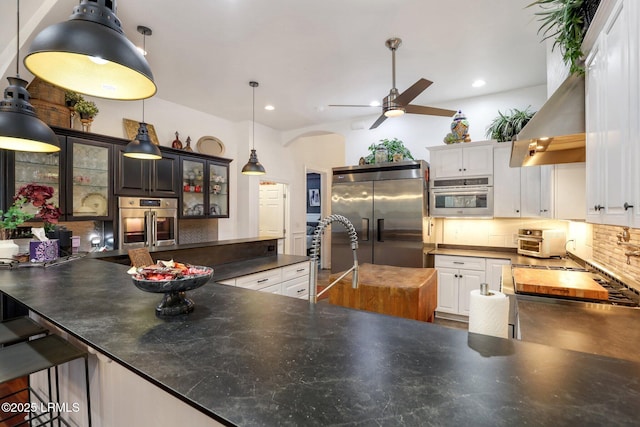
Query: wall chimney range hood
[[556, 133]]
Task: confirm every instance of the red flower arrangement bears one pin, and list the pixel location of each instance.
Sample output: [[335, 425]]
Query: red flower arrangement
[[38, 195]]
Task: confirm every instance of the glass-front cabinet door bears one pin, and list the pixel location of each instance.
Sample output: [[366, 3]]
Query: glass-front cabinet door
[[89, 178], [38, 168], [218, 190], [193, 187]]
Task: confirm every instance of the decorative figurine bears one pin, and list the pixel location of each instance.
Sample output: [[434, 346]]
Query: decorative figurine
[[188, 146], [460, 127], [177, 144]]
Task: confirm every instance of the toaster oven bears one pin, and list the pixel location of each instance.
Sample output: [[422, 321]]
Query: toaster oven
[[541, 243]]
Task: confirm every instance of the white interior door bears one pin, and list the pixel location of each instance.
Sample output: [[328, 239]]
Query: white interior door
[[272, 210]]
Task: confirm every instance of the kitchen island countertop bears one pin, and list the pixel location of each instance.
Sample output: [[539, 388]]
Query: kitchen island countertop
[[251, 358]]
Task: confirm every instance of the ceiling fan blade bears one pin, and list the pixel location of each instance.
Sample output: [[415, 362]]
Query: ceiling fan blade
[[416, 89], [431, 111], [352, 105], [381, 119]]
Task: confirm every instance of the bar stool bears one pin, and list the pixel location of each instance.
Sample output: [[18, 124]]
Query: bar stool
[[25, 357]]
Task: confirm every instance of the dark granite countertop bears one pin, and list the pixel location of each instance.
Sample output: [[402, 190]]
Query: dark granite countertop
[[252, 358], [495, 252]]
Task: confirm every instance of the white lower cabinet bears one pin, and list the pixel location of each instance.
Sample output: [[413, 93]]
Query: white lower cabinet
[[457, 277], [292, 280]]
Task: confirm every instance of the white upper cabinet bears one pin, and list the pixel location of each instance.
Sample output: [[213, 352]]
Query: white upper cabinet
[[464, 159], [611, 119]]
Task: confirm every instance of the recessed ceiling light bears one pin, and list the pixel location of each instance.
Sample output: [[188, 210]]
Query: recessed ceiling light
[[374, 103], [478, 83], [269, 107]]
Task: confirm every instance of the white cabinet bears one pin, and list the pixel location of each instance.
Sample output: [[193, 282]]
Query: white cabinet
[[611, 118], [464, 159], [457, 277], [494, 272], [292, 280], [549, 191]]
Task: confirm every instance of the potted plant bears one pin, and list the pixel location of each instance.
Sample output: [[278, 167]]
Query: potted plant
[[506, 126], [71, 98], [395, 150], [566, 21], [86, 109]]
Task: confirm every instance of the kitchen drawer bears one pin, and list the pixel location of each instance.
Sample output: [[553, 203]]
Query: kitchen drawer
[[296, 270], [297, 288], [465, 262], [258, 281], [272, 289]]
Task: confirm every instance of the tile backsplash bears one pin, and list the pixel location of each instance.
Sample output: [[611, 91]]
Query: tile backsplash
[[607, 252]]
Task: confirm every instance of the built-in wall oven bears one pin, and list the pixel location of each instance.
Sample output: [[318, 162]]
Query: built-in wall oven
[[147, 222], [462, 197]]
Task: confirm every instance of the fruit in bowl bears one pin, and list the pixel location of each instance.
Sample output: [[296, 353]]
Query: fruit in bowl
[[173, 279]]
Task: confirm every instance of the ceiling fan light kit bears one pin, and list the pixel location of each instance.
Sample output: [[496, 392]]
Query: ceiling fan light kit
[[20, 128], [397, 104], [253, 166], [90, 54]]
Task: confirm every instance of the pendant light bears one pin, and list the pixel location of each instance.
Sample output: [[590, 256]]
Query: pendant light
[[142, 147], [90, 54], [253, 167], [20, 128]]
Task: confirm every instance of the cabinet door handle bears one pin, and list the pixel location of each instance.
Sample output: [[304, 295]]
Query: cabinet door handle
[[458, 262], [598, 208], [300, 270], [627, 206], [301, 290], [262, 280]]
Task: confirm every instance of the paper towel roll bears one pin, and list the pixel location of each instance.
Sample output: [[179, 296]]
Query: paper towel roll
[[489, 314]]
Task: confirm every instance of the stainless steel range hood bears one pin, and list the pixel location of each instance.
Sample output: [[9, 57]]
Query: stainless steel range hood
[[556, 133]]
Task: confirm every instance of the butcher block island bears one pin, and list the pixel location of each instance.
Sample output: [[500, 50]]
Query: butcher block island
[[397, 291], [566, 284]]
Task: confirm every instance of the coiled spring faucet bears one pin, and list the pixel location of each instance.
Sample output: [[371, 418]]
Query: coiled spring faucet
[[315, 252]]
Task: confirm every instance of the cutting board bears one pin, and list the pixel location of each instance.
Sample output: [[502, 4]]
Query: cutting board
[[572, 284]]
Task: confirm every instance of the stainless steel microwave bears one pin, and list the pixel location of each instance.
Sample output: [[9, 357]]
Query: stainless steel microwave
[[461, 197]]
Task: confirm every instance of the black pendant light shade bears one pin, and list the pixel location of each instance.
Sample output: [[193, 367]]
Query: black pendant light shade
[[90, 54], [142, 147], [20, 128], [253, 166]]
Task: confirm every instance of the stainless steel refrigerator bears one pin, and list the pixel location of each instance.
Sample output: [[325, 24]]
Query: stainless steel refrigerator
[[388, 205]]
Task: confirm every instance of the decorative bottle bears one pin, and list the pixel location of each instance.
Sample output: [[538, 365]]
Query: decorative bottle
[[177, 144]]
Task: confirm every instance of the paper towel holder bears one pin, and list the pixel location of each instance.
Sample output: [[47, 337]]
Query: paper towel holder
[[484, 289]]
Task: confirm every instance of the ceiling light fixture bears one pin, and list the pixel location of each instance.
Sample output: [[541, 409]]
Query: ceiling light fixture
[[253, 166], [20, 128], [269, 107], [90, 54], [478, 83], [142, 147]]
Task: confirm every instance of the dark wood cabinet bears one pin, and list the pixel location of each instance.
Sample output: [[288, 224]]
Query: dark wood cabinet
[[135, 177], [204, 188]]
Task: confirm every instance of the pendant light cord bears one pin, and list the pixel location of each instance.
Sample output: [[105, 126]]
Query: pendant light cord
[[253, 121], [17, 38]]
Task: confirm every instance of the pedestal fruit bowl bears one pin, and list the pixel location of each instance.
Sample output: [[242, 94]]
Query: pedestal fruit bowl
[[173, 280]]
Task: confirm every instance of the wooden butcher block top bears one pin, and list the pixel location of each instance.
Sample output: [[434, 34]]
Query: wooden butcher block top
[[398, 291], [572, 284]]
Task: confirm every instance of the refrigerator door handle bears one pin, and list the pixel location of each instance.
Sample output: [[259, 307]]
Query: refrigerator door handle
[[380, 229], [365, 229], [147, 228]]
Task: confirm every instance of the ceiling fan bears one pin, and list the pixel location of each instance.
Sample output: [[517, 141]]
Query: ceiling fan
[[396, 104]]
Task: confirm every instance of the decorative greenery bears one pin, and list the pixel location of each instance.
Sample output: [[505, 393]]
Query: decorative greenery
[[38, 196], [566, 21], [86, 109], [506, 126], [393, 146], [71, 98]]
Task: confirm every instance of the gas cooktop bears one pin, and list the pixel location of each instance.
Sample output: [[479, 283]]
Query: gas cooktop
[[619, 293]]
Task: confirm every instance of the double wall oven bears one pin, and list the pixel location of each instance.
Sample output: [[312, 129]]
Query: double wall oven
[[147, 222]]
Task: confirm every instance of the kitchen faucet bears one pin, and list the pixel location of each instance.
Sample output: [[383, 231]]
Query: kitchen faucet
[[623, 240], [315, 252]]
